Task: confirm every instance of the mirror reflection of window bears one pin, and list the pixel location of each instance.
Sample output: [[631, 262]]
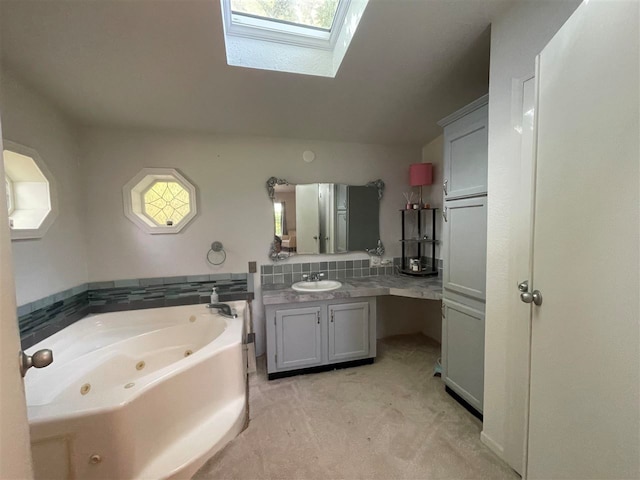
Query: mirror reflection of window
[[278, 214]]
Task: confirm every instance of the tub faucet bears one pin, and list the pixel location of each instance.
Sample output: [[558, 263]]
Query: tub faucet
[[223, 309], [312, 277]]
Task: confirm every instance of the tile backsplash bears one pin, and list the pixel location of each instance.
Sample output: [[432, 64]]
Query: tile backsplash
[[335, 270], [42, 318], [288, 273]]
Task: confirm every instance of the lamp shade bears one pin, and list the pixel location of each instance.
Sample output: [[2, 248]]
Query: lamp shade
[[420, 174]]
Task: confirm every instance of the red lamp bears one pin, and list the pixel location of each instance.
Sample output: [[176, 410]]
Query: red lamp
[[420, 174]]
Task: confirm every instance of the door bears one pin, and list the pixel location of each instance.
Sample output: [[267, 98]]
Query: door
[[464, 239], [307, 218], [341, 231], [584, 420], [326, 200], [465, 155], [348, 331], [298, 338], [463, 351], [363, 217], [15, 461], [518, 328]]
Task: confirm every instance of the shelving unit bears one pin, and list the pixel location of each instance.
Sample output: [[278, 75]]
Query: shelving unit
[[419, 242]]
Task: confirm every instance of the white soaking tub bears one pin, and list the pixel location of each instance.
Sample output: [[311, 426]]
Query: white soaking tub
[[144, 394]]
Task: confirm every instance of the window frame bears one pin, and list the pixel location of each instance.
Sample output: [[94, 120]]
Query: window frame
[[49, 211], [259, 28], [133, 199], [11, 201]]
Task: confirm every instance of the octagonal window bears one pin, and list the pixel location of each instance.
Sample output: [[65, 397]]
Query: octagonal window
[[160, 200], [31, 200]]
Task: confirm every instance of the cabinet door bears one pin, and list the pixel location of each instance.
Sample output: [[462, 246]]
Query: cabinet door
[[348, 331], [298, 338], [465, 155], [463, 351], [465, 246]]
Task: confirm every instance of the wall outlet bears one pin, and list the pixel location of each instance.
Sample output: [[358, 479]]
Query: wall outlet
[[374, 261]]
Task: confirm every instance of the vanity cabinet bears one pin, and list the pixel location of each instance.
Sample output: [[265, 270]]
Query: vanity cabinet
[[320, 335]]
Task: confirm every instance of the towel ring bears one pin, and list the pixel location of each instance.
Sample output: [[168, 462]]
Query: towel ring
[[216, 250]]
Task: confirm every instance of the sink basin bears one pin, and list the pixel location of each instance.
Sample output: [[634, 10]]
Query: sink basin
[[318, 286]]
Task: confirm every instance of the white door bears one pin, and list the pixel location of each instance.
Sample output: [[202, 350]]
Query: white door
[[307, 218], [584, 419], [15, 453], [518, 328], [348, 331]]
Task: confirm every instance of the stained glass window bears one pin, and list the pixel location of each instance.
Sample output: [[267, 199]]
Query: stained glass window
[[166, 203]]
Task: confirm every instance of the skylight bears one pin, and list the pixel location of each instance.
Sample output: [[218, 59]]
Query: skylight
[[318, 14], [298, 36]]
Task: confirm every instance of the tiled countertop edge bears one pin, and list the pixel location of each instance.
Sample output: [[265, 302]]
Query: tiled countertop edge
[[428, 289]]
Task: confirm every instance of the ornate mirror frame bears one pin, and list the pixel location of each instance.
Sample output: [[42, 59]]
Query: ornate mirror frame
[[276, 254]]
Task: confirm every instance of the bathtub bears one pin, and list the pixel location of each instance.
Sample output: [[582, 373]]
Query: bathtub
[[144, 394]]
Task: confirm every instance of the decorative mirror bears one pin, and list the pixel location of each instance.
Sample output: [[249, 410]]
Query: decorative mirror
[[325, 218]]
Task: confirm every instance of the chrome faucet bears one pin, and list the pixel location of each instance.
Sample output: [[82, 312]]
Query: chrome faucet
[[223, 309], [312, 277]]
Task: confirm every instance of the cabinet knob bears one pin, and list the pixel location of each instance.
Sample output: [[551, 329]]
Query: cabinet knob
[[445, 187]]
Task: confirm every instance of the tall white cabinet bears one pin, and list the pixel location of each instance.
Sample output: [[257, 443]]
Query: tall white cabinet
[[464, 250]]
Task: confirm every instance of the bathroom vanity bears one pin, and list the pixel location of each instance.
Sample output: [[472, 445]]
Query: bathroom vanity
[[316, 331], [320, 333]]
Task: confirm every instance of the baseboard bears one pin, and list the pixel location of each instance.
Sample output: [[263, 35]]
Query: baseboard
[[321, 368], [470, 408], [493, 446]]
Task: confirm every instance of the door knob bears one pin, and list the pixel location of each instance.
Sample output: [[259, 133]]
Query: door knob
[[40, 359], [532, 297]]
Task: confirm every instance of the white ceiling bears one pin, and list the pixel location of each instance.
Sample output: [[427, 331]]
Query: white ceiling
[[162, 64]]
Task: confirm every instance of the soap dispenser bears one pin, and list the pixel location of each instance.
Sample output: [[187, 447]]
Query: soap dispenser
[[214, 295]]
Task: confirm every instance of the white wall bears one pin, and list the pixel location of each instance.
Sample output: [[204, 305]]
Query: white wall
[[403, 315], [233, 205], [58, 261], [517, 36], [432, 153]]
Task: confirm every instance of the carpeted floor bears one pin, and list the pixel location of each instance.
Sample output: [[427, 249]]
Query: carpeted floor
[[389, 420]]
